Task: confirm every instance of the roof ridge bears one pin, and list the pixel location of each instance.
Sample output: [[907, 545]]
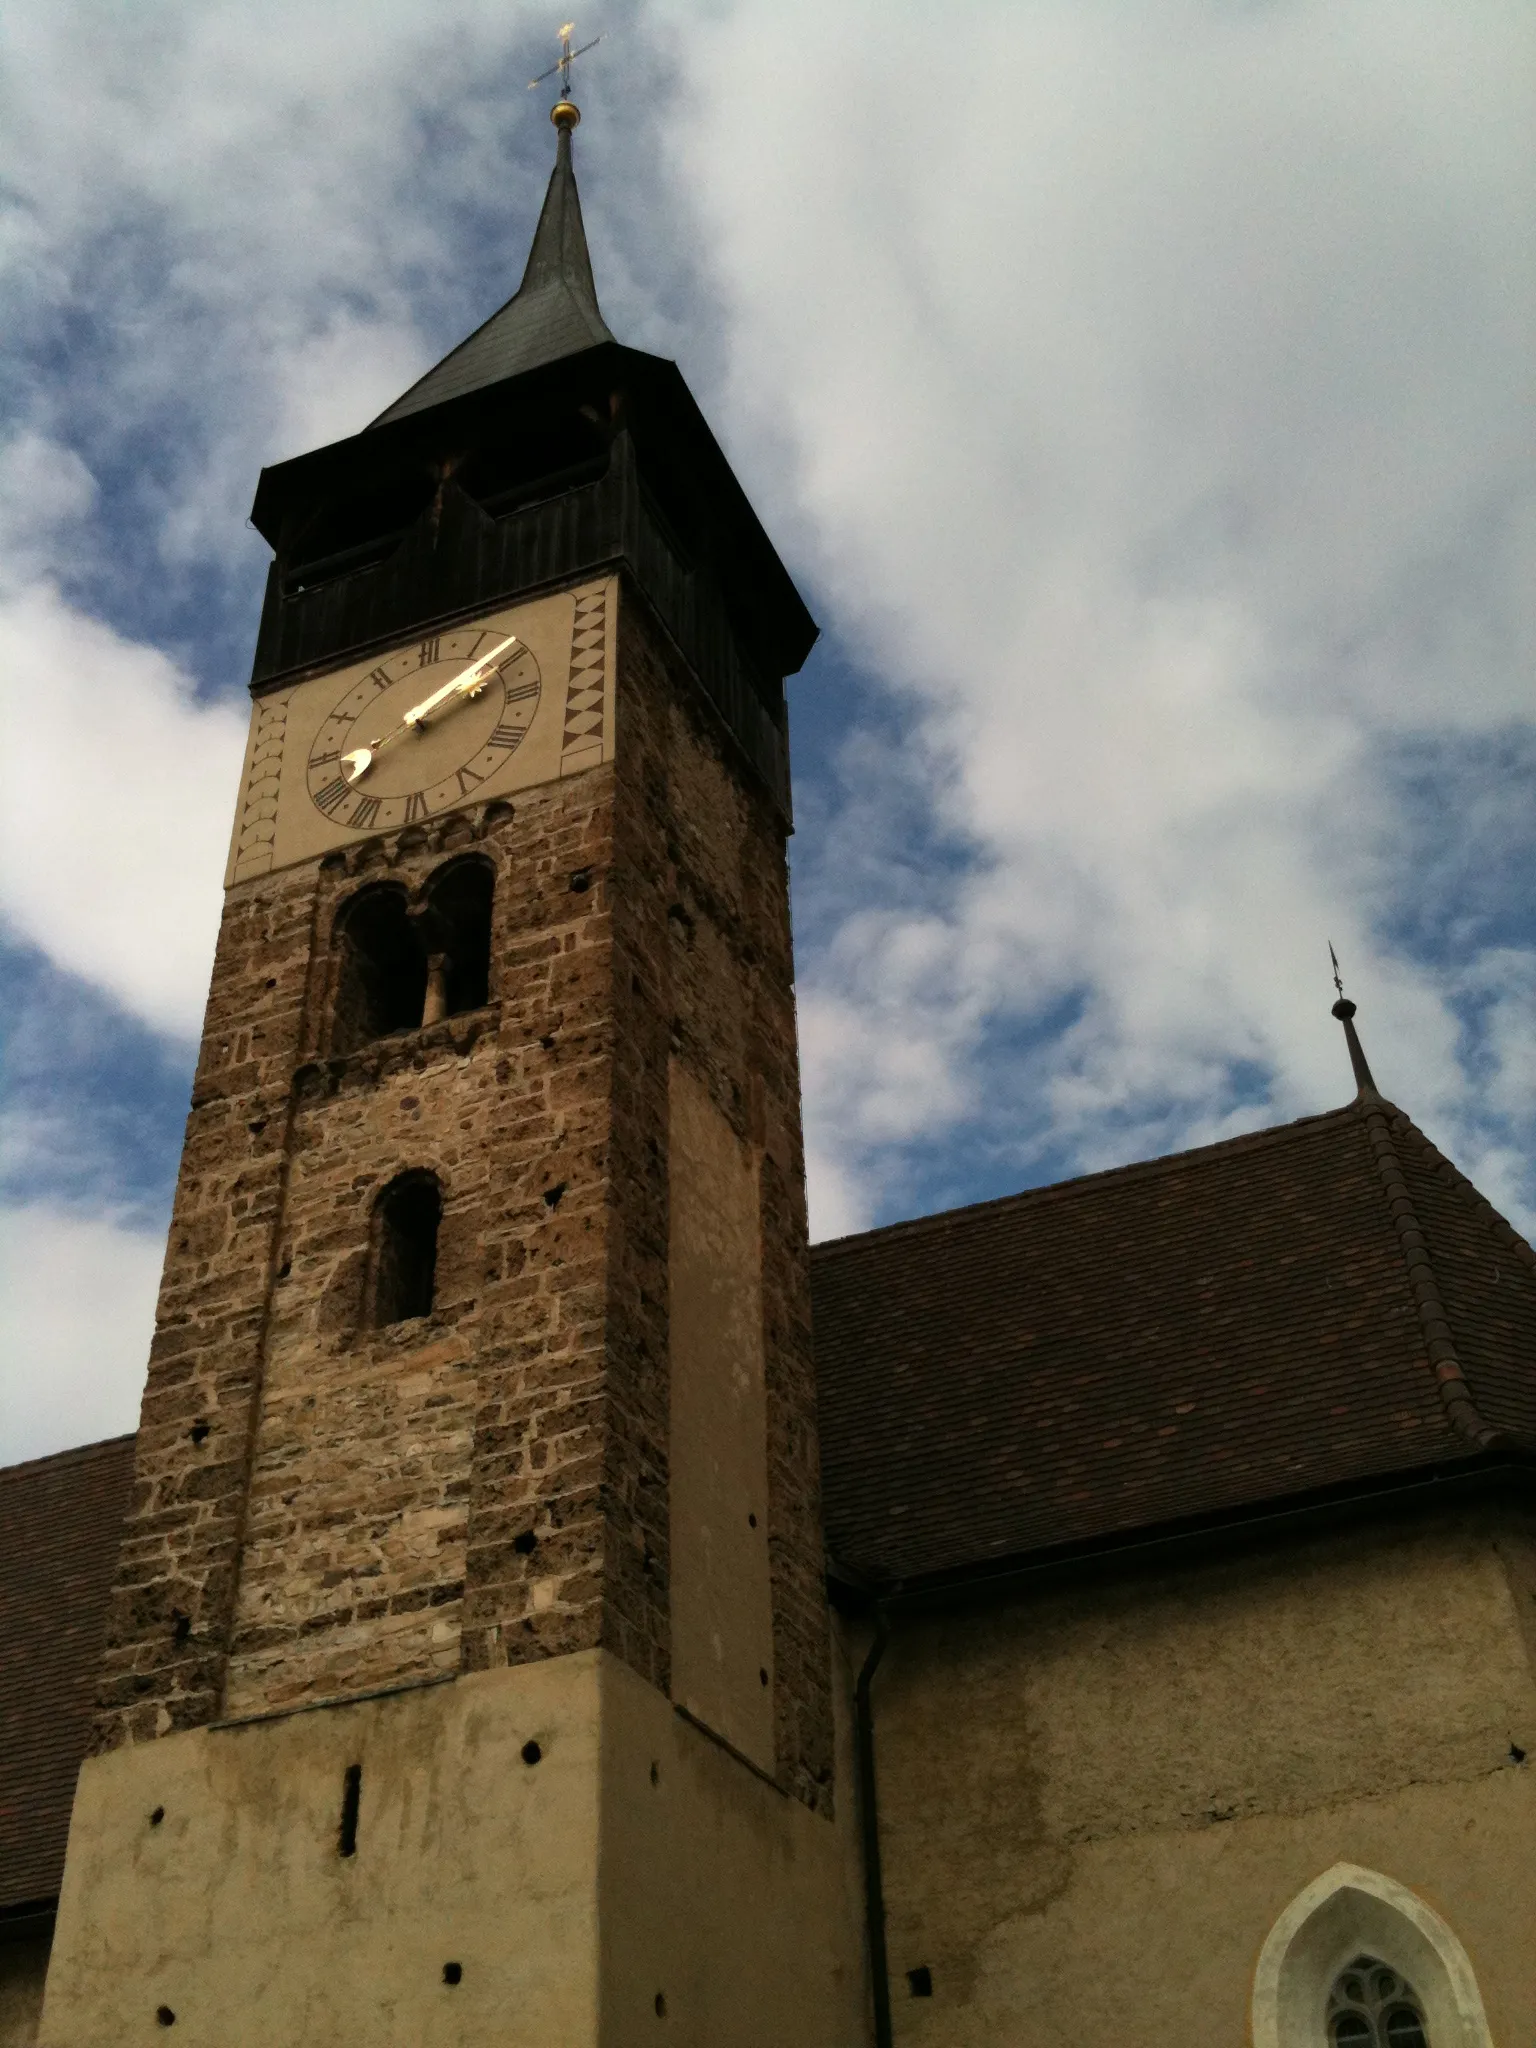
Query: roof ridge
[[74, 1453], [1446, 1169], [1462, 1411], [1060, 1190]]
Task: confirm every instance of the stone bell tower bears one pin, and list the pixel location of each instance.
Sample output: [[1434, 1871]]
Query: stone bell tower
[[467, 1675]]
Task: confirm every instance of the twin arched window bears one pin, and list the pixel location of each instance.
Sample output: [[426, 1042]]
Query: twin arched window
[[404, 965]]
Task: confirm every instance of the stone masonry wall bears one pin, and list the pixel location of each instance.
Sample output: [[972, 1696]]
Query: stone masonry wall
[[320, 1508], [704, 974], [357, 1446], [168, 1620], [377, 1448]]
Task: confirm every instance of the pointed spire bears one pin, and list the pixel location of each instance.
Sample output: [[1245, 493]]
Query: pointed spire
[[1344, 1010], [553, 313]]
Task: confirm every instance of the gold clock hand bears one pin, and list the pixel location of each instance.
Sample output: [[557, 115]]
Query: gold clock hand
[[355, 765], [469, 684]]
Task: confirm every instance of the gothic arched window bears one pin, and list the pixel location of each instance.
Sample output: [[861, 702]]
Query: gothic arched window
[[382, 979], [402, 1253], [1371, 2006], [1410, 1983]]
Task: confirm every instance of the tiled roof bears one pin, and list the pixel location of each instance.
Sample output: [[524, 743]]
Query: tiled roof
[[1170, 1341], [59, 1524]]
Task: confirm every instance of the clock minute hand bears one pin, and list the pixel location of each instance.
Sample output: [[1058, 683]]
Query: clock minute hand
[[355, 765], [469, 684]]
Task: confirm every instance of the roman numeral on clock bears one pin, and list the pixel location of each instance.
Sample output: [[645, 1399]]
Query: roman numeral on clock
[[523, 690], [332, 796], [506, 735], [367, 810], [415, 807], [378, 677], [427, 653], [467, 780]]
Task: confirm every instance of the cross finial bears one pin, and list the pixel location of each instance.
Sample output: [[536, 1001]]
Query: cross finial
[[565, 114]]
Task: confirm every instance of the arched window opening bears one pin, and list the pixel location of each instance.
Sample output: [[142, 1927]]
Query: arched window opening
[[403, 1253], [382, 984], [459, 937], [1358, 1960], [1371, 2006]]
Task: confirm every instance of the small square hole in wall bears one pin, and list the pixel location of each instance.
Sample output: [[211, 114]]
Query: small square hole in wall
[[920, 1981]]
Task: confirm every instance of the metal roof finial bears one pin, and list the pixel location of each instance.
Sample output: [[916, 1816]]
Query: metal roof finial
[[564, 113], [1344, 1010]]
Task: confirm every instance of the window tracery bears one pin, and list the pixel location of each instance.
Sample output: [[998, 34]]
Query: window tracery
[[1372, 2006], [1360, 1960]]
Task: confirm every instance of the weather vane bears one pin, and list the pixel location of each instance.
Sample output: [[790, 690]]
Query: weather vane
[[1338, 984], [567, 58]]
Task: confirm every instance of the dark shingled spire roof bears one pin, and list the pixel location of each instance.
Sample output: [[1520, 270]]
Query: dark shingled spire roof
[[553, 313]]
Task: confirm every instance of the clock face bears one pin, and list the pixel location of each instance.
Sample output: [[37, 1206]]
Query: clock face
[[419, 766]]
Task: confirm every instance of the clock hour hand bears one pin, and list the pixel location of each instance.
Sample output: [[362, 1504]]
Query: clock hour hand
[[355, 765]]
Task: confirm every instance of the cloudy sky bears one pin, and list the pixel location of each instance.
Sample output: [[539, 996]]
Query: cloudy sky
[[1139, 390]]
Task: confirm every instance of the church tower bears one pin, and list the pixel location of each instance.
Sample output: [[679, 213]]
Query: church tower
[[467, 1676]]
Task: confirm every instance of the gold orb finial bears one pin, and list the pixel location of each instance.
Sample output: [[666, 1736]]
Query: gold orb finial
[[565, 114]]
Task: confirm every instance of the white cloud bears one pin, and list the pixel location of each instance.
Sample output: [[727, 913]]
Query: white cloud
[[77, 1309], [1145, 402], [116, 786], [1152, 399]]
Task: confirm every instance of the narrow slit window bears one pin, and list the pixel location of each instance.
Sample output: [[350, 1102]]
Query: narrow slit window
[[404, 1249], [351, 1802]]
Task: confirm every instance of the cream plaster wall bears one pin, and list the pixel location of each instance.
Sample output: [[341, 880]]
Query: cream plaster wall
[[636, 1857], [238, 1914], [1095, 1805], [722, 1604], [723, 1895]]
